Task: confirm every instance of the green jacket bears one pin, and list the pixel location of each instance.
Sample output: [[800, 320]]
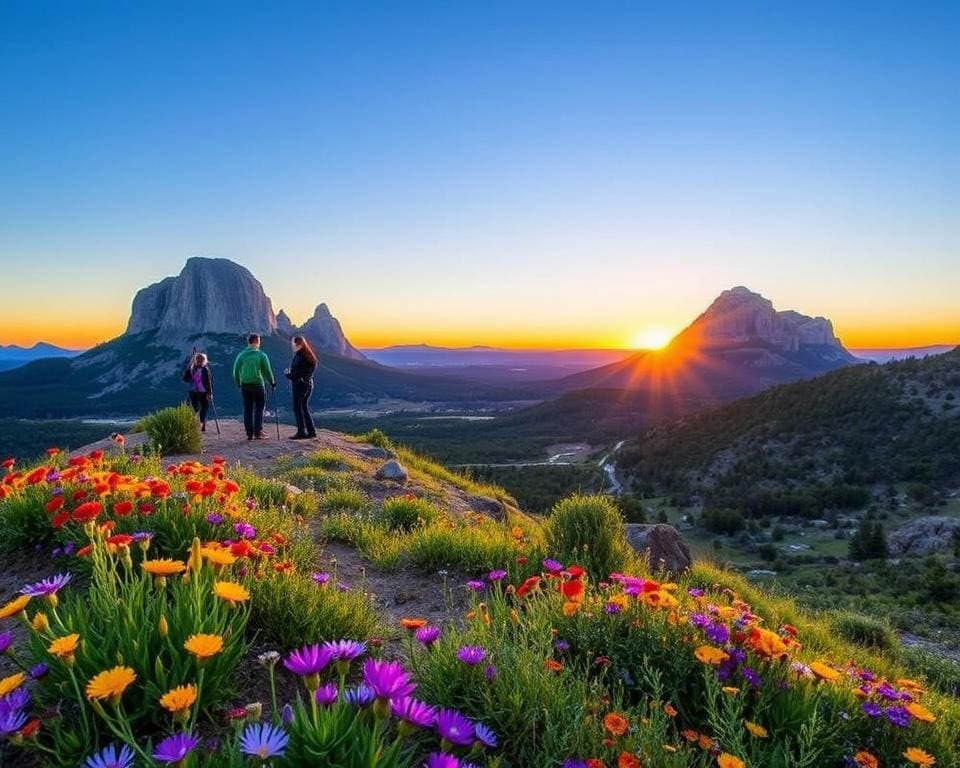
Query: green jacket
[[252, 366]]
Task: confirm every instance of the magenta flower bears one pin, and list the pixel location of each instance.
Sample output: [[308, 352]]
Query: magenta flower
[[413, 711], [6, 640], [345, 650], [309, 660], [427, 635], [552, 566], [320, 577], [471, 655], [441, 760], [387, 679], [476, 586], [175, 748], [245, 530], [326, 694], [47, 587], [454, 728], [498, 575]]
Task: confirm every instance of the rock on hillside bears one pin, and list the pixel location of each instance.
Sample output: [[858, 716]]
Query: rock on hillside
[[209, 296], [924, 536], [323, 331]]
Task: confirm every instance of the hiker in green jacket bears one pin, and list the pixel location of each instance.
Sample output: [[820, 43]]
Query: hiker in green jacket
[[251, 372]]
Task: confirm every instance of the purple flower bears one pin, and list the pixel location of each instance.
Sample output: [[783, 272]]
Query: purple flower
[[387, 679], [871, 709], [359, 697], [613, 608], [138, 536], [454, 728], [11, 721], [887, 691], [442, 760], [250, 503], [485, 735], [552, 566], [309, 660], [38, 670], [471, 655], [286, 714], [69, 547], [326, 694], [174, 748], [345, 650], [47, 587], [562, 646], [498, 575], [700, 620], [427, 635], [718, 633], [18, 699], [476, 586], [215, 518], [413, 711], [263, 741], [111, 757], [6, 640], [752, 678], [695, 592], [245, 530], [321, 578], [898, 716], [574, 764], [490, 672]]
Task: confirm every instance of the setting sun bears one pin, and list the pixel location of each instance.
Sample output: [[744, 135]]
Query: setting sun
[[651, 338]]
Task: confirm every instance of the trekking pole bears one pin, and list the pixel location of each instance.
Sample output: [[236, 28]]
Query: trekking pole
[[276, 413], [216, 421]]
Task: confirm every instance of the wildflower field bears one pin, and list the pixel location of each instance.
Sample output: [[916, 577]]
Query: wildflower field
[[571, 653]]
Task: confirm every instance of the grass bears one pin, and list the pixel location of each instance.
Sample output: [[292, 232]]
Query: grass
[[425, 471]]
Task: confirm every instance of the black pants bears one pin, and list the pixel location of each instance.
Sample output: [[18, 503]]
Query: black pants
[[301, 407], [254, 401], [200, 402]]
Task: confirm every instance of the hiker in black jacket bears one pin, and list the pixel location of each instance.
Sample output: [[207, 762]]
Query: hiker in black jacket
[[300, 374], [197, 375]]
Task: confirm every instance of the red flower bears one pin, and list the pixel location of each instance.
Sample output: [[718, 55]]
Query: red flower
[[120, 540], [146, 508], [53, 451], [193, 486], [8, 463], [530, 584], [159, 490], [87, 511], [30, 729], [576, 571], [37, 475], [84, 551], [123, 508], [78, 495], [95, 456], [54, 504], [60, 519], [572, 590]]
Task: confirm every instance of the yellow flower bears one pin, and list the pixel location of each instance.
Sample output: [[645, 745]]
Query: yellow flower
[[921, 713], [918, 756], [707, 654], [9, 684], [40, 622], [230, 591], [755, 729], [64, 647], [179, 700], [111, 683], [163, 567], [14, 607], [204, 646], [218, 556], [824, 672], [730, 689], [726, 760]]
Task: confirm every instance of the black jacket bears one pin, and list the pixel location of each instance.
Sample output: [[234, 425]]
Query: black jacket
[[301, 369], [205, 377]]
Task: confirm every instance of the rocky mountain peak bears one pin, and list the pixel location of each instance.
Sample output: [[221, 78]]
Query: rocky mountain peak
[[739, 317], [210, 295], [323, 331]]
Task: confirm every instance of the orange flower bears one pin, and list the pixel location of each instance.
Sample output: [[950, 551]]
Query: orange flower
[[413, 624], [163, 567], [111, 683], [669, 710], [626, 760], [918, 756], [230, 591], [767, 643], [553, 665], [14, 607], [726, 760], [204, 646], [179, 700], [64, 647], [615, 723], [570, 607], [866, 760], [824, 672], [755, 729], [921, 713], [707, 654], [11, 683]]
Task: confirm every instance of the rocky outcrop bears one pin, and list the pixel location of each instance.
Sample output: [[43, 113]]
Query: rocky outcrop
[[208, 296], [663, 546], [740, 317], [284, 324], [393, 470], [323, 331], [924, 536]]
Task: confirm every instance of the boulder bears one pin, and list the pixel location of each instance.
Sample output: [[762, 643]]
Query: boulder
[[376, 452], [393, 470], [489, 506], [924, 536], [663, 545]]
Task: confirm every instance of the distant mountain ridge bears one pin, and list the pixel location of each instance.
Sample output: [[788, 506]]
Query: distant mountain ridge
[[13, 356]]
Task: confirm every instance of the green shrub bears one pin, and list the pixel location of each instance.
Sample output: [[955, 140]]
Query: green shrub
[[333, 460], [940, 672], [383, 548], [316, 479], [23, 522], [588, 530], [292, 609], [473, 547], [863, 630], [378, 438], [341, 500], [173, 430], [404, 513]]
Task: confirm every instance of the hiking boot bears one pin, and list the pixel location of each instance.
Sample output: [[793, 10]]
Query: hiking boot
[[203, 427], [261, 436], [297, 436]]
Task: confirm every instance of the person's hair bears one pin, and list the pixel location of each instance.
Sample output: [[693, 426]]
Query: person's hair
[[199, 360], [305, 347], [253, 338]]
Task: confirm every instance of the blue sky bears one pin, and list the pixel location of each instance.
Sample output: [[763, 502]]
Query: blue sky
[[554, 173]]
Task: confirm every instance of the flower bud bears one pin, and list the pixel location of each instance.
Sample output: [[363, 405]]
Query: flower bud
[[163, 627], [254, 712]]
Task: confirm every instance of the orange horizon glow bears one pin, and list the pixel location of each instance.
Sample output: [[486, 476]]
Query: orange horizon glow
[[644, 337]]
